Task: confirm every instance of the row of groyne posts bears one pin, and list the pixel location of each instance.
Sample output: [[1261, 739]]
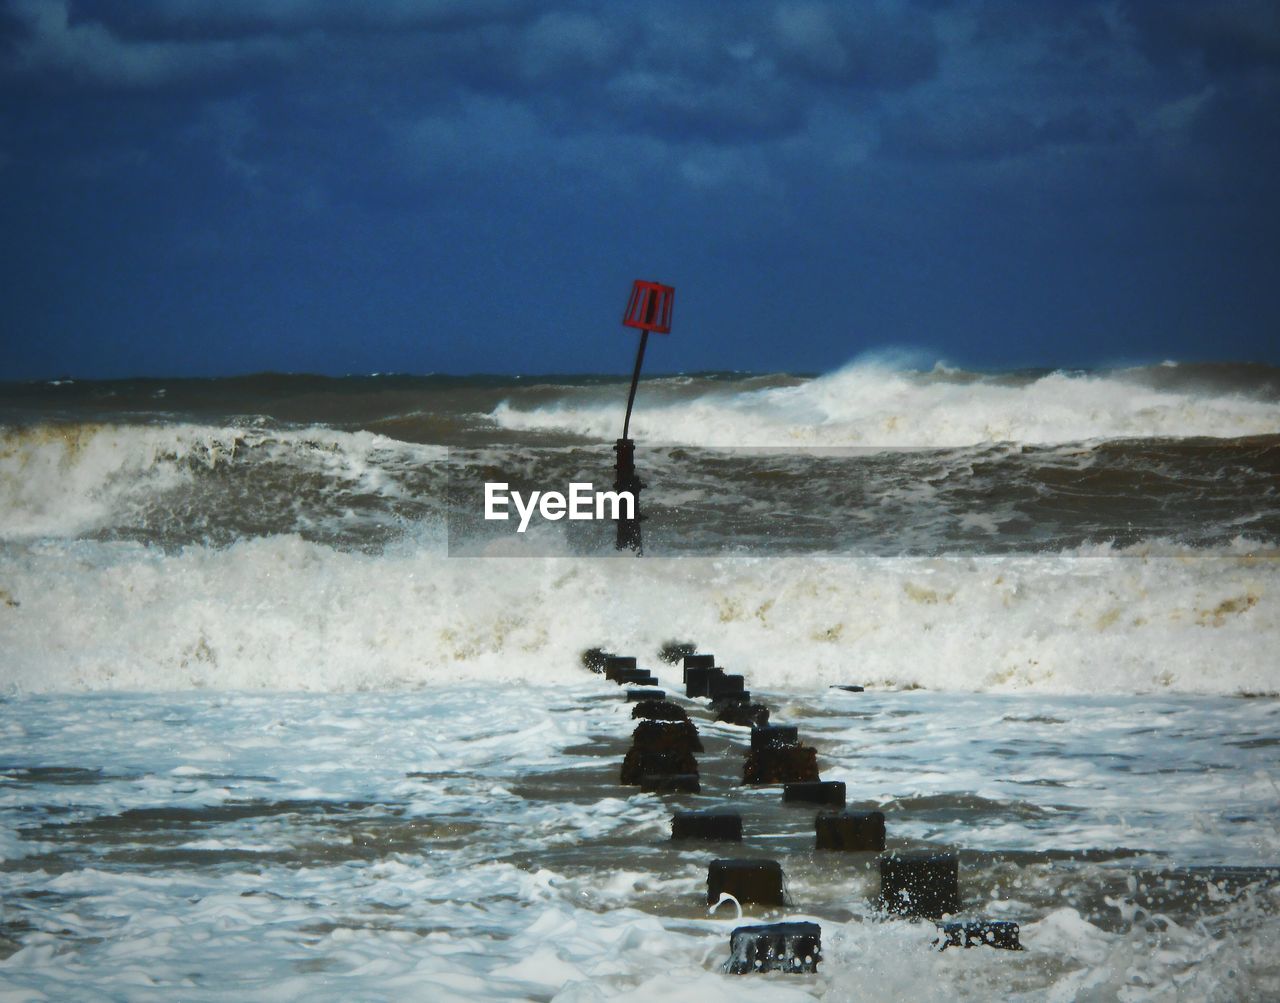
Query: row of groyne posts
[[913, 884]]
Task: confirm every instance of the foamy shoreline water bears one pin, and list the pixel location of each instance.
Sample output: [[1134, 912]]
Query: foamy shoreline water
[[472, 842]]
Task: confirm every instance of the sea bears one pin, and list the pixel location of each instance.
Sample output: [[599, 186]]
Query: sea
[[283, 717]]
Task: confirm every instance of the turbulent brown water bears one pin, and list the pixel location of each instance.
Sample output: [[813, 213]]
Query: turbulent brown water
[[866, 461], [282, 717]]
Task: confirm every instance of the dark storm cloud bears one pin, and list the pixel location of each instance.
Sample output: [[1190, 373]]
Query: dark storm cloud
[[855, 45], [200, 19], [999, 133], [944, 134], [1221, 65], [46, 42], [1066, 28], [740, 106], [1081, 126], [679, 72], [1226, 36], [397, 144], [748, 75]]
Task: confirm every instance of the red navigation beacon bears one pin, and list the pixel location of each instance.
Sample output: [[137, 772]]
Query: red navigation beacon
[[649, 308]]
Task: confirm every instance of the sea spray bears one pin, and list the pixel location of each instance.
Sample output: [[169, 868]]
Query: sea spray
[[283, 613]]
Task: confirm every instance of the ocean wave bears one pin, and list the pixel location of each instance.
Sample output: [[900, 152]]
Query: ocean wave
[[282, 613], [872, 404], [176, 484], [71, 479]]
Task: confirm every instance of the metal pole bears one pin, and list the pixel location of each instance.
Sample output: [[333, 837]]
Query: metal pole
[[635, 379]]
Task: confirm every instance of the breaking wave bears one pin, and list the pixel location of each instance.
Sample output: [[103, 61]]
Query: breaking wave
[[282, 613], [154, 552], [75, 479], [871, 404]]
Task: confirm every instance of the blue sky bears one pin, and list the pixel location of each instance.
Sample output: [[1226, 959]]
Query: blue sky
[[471, 185]]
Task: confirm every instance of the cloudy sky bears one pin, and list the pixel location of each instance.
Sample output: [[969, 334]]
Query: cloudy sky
[[221, 186]]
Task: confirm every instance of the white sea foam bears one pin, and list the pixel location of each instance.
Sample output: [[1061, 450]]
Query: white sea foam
[[506, 907], [282, 613], [66, 480], [870, 404]]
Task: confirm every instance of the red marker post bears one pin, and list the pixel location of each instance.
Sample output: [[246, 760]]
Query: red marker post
[[648, 309]]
